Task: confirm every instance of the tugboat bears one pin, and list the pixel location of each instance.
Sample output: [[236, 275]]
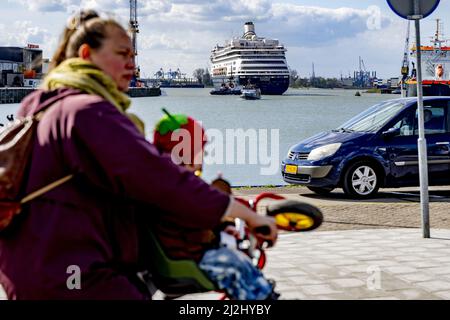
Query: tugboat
[[226, 89], [251, 92], [229, 88], [435, 66]]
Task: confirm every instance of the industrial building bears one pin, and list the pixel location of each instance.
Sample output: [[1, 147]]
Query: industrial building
[[21, 66]]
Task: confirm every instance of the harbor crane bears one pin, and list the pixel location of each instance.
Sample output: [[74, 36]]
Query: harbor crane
[[361, 76], [134, 29], [362, 66], [405, 62]]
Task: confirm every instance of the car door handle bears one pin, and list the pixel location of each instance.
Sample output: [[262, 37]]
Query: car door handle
[[443, 143]]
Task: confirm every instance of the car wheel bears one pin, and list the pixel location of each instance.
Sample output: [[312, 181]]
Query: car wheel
[[321, 190], [361, 180]]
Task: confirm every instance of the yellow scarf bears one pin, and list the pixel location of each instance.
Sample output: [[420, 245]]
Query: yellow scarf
[[87, 77]]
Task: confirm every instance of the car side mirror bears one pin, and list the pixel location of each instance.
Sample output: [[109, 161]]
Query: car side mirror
[[393, 132]]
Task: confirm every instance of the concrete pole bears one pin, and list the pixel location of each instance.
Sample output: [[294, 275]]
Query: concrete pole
[[421, 142]]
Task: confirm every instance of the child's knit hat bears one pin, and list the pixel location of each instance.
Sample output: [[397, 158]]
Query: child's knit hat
[[169, 124]]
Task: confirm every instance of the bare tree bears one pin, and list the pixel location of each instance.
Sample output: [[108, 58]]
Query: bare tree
[[198, 74], [293, 76], [207, 81]]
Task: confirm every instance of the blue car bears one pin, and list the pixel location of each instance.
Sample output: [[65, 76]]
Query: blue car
[[375, 149]]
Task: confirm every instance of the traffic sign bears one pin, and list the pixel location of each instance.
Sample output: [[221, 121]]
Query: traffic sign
[[405, 8]]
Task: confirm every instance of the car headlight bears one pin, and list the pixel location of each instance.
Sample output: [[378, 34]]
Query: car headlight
[[289, 152], [324, 151]]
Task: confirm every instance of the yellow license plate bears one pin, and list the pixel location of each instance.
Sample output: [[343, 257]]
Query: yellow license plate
[[290, 169]]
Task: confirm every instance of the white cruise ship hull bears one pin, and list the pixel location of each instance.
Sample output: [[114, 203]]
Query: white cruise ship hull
[[269, 85]]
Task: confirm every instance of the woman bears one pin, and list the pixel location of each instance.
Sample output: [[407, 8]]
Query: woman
[[80, 240]]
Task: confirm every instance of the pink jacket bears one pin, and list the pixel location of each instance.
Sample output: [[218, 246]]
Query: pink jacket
[[90, 221]]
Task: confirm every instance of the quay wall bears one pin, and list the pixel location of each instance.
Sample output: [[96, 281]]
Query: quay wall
[[144, 92], [15, 95]]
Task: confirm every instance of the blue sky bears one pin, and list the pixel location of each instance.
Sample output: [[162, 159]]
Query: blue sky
[[180, 33]]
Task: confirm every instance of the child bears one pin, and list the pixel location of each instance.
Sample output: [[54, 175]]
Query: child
[[230, 269]]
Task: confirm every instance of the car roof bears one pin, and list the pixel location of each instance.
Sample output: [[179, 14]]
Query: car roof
[[410, 100]]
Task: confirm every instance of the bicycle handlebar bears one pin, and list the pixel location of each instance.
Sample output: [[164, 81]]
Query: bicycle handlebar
[[264, 230]]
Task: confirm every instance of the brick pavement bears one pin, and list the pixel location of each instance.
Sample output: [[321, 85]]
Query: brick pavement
[[358, 264]]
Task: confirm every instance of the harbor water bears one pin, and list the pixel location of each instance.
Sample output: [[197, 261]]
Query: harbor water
[[296, 115]]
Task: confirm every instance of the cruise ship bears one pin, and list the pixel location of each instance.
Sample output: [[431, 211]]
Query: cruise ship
[[251, 60]]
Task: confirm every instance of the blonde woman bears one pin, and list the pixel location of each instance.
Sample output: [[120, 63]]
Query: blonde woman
[[80, 240]]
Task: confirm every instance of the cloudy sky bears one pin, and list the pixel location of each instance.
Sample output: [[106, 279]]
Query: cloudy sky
[[180, 33]]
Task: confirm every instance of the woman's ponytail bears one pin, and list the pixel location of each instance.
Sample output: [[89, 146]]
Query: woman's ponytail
[[73, 25]]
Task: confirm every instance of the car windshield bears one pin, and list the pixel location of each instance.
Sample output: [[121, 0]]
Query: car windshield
[[373, 118]]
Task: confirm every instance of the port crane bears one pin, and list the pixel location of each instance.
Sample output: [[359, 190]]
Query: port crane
[[361, 76], [134, 29], [405, 62]]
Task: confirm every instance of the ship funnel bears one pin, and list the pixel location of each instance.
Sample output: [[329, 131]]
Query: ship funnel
[[249, 30]]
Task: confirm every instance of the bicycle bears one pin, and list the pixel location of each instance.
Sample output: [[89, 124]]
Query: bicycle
[[176, 278]]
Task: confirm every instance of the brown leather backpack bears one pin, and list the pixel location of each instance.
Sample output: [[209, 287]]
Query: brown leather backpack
[[16, 143]]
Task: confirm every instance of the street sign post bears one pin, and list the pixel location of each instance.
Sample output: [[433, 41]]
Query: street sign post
[[417, 10], [407, 8]]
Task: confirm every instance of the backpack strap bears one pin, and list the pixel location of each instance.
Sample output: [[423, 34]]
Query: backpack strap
[[45, 189], [37, 116], [51, 101]]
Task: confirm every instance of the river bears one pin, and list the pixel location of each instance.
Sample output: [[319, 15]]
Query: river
[[284, 120]]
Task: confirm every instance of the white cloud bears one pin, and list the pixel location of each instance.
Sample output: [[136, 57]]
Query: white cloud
[[29, 33], [194, 27], [106, 4], [153, 7], [48, 5], [184, 31], [379, 53], [316, 26], [293, 24], [216, 11], [163, 41]]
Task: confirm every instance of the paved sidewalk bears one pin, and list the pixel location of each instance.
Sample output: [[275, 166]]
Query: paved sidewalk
[[359, 264]]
